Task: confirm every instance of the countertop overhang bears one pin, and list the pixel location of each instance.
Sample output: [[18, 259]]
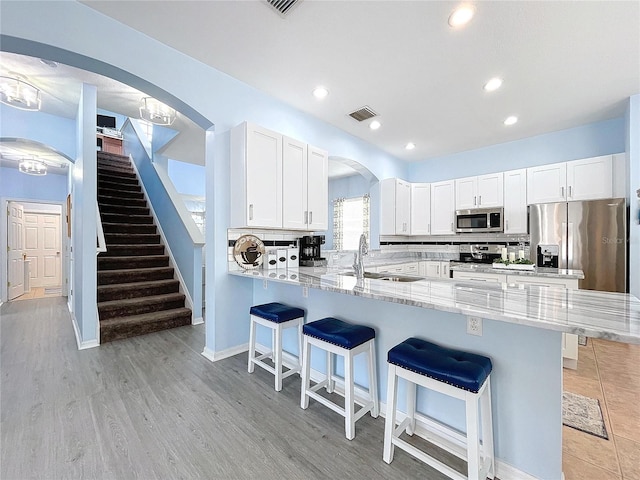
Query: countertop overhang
[[538, 272], [612, 316]]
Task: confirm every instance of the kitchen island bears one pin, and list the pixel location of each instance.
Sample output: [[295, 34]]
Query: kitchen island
[[522, 331]]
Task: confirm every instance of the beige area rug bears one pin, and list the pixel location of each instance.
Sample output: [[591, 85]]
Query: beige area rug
[[584, 414]]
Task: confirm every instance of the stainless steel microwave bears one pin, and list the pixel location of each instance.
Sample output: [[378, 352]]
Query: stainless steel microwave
[[480, 220]]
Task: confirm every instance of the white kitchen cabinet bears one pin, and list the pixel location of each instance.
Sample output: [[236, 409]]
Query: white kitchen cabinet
[[420, 209], [590, 178], [480, 277], [515, 201], [443, 203], [305, 186], [434, 269], [585, 179], [256, 177], [483, 191], [395, 207]]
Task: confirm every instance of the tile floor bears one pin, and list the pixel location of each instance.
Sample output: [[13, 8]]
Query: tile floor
[[610, 372]]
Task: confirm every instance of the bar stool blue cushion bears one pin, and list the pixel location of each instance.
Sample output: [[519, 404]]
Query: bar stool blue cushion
[[337, 332], [276, 312], [455, 367]]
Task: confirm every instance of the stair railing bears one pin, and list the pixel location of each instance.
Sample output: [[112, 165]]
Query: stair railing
[[102, 245]]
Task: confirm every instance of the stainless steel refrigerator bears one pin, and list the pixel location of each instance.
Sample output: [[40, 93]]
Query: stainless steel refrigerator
[[590, 236]]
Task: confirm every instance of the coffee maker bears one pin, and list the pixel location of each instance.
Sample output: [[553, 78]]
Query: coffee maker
[[310, 251]]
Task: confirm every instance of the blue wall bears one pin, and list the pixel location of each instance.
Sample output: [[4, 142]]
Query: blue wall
[[632, 127], [188, 178], [56, 132], [13, 184], [592, 140]]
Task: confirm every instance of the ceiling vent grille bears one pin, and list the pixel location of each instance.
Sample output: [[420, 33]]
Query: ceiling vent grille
[[283, 7], [362, 114]]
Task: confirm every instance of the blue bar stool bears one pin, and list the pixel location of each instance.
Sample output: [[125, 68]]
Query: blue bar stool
[[277, 317], [340, 338], [456, 373]]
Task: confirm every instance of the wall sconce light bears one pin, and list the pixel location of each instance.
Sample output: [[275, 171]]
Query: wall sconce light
[[19, 94], [32, 166], [156, 112]]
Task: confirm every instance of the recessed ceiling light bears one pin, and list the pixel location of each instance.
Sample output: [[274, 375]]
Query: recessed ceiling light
[[461, 16], [410, 146], [320, 92], [375, 125], [493, 84], [510, 120]]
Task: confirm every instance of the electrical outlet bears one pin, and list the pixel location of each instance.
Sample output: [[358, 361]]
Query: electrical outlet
[[474, 326], [264, 284], [305, 291]]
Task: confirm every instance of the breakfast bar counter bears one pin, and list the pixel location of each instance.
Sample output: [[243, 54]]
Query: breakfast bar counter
[[521, 331]]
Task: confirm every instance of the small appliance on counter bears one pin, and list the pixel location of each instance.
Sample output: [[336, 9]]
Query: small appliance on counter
[[310, 253], [548, 256], [480, 253]]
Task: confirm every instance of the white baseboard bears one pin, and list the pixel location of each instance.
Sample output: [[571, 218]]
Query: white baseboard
[[82, 345], [197, 321], [222, 354]]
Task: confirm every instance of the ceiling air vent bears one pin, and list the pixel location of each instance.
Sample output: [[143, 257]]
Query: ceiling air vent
[[362, 114], [283, 6]]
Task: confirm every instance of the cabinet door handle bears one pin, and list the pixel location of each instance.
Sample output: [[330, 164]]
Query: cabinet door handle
[[428, 228], [251, 211], [306, 217], [569, 191], [506, 227], [474, 200], [562, 192], [479, 199], [310, 218], [438, 270], [452, 226]]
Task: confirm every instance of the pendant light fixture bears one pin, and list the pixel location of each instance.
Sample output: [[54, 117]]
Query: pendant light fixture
[[156, 112], [32, 166], [17, 93]]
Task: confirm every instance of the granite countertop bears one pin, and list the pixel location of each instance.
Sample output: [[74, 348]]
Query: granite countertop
[[538, 272], [613, 316]]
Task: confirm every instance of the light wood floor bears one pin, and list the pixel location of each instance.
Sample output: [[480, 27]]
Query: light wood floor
[[154, 407], [38, 292], [610, 372]]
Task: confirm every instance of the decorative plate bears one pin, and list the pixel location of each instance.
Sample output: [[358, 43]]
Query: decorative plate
[[248, 252]]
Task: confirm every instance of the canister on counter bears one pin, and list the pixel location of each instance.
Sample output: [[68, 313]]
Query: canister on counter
[[282, 258], [271, 260], [292, 257]]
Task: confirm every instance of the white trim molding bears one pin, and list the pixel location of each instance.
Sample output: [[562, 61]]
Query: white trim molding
[[222, 354], [81, 345]]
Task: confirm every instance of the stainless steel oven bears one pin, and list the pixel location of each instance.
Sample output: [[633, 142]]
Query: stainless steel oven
[[479, 220]]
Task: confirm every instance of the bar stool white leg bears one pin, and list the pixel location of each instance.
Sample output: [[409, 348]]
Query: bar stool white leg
[[473, 452], [252, 345], [277, 356], [330, 381], [411, 407], [300, 346], [390, 421], [306, 370], [349, 422], [487, 428], [373, 389]]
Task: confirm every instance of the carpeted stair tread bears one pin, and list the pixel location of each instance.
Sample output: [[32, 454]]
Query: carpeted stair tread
[[140, 249], [122, 218], [109, 227], [129, 187], [116, 156], [107, 176], [127, 202], [131, 238], [131, 275], [108, 208], [117, 193], [118, 263], [125, 327], [112, 173], [122, 291], [137, 306]]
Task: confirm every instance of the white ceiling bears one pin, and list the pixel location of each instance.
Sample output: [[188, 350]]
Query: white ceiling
[[564, 63]]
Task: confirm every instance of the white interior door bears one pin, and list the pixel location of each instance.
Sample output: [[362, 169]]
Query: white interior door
[[42, 248], [15, 247]]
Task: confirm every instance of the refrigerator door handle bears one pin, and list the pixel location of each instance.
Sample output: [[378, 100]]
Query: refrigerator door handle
[[570, 245]]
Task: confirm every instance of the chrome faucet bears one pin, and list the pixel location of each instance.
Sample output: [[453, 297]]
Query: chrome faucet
[[358, 257]]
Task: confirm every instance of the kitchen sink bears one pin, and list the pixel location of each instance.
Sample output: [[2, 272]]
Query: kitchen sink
[[389, 277]]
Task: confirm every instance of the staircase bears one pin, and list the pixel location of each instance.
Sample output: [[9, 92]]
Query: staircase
[[137, 291]]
